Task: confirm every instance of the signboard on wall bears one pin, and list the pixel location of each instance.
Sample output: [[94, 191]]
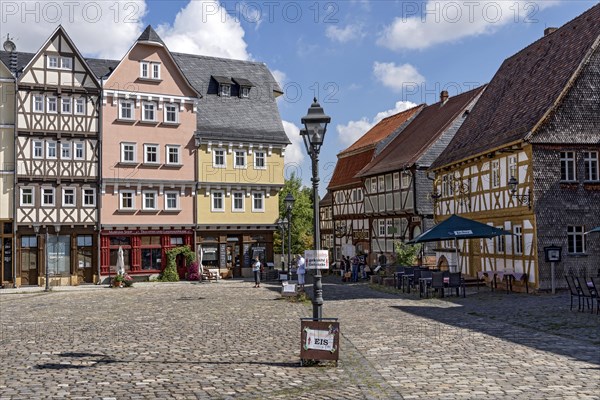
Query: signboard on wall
[[223, 256], [246, 254]]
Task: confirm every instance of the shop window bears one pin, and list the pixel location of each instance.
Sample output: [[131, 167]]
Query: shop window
[[120, 241], [151, 259], [84, 251], [177, 241], [114, 256], [59, 250]]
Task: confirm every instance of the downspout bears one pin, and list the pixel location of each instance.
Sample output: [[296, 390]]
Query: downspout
[[15, 195], [99, 172], [195, 205]]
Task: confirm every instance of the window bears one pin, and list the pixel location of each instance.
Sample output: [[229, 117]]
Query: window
[[128, 152], [26, 196], [151, 154], [126, 110], [60, 247], [47, 197], [239, 159], [518, 237], [149, 201], [84, 251], [567, 166], [238, 202], [38, 149], [217, 201], [171, 201], [155, 71], [575, 240], [148, 68], [495, 173], [50, 149], [66, 105], [406, 178], [80, 106], [144, 69], [171, 113], [89, 197], [127, 200], [590, 160], [500, 242], [173, 155], [258, 202], [65, 150], [149, 113], [219, 158], [66, 63], [388, 182], [512, 168], [381, 224], [176, 241], [381, 185], [389, 227], [68, 197], [52, 62], [245, 92], [373, 185], [38, 103], [397, 181], [260, 160], [79, 151], [52, 104], [225, 90]]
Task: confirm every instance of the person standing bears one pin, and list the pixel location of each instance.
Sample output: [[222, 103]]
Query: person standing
[[354, 269], [256, 271], [301, 270]]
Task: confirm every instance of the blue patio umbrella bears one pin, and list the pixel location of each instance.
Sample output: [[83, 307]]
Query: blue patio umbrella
[[596, 229], [455, 228]]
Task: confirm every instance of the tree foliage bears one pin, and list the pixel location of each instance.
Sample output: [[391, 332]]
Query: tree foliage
[[170, 274], [406, 254]]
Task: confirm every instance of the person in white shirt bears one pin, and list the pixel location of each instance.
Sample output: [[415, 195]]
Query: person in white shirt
[[301, 270], [256, 270]]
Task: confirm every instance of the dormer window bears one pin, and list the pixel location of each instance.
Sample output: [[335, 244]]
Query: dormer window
[[225, 90], [245, 92], [57, 62], [149, 70], [245, 85], [155, 71], [144, 70]]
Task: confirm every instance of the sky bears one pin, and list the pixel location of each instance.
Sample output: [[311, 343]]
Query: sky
[[363, 59]]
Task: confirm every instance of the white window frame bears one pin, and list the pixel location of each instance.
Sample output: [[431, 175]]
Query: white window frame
[[147, 74], [152, 66], [146, 194], [132, 193], [148, 103], [500, 243], [264, 158], [64, 145], [64, 195], [495, 174], [63, 62], [53, 144], [406, 178], [212, 201], [215, 165], [68, 102], [262, 196], [84, 195], [52, 100], [381, 184], [572, 233], [512, 168], [381, 227], [33, 148], [235, 159], [591, 161], [132, 105], [77, 146], [166, 113], [569, 158], [396, 181], [32, 203], [177, 201], [241, 194], [244, 92], [373, 185], [168, 149], [38, 99], [123, 144], [43, 194], [518, 239], [79, 103], [157, 152], [53, 60], [225, 90]]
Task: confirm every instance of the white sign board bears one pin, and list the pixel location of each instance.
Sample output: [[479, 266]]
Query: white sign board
[[348, 250], [316, 259], [318, 340], [288, 289]]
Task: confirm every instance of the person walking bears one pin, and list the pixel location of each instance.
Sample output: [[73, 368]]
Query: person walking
[[256, 271], [301, 270], [354, 269]]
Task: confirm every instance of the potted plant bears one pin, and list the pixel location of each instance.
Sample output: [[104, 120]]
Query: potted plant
[[118, 280], [127, 280]]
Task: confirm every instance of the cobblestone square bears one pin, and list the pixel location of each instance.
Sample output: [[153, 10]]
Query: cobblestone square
[[229, 340]]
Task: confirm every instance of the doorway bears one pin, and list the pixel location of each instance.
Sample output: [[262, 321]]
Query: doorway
[[29, 260], [233, 258]]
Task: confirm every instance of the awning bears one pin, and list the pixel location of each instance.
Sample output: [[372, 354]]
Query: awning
[[457, 227]]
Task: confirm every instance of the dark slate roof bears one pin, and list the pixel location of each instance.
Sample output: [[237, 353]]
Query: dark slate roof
[[243, 82], [420, 134], [232, 118], [22, 59], [150, 35], [524, 89], [222, 80], [327, 200]]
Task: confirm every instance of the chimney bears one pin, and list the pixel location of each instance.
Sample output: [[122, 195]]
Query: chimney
[[444, 96], [548, 31]]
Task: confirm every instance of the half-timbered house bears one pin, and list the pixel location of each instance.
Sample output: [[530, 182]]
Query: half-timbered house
[[526, 159], [350, 223], [326, 224], [57, 150], [398, 190]]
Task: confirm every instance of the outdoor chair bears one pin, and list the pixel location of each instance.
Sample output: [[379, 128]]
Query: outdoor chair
[[596, 288], [586, 293], [455, 282], [408, 274], [437, 282], [398, 277], [575, 292], [424, 283], [413, 280]]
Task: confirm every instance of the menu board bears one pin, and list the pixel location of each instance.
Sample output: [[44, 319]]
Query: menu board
[[7, 259], [246, 254], [223, 255]]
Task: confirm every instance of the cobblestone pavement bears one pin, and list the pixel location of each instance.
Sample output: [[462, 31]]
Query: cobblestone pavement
[[229, 340]]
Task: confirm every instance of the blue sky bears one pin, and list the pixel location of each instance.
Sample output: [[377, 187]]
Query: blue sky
[[364, 59]]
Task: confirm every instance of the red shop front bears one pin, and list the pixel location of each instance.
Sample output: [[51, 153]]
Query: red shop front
[[144, 251]]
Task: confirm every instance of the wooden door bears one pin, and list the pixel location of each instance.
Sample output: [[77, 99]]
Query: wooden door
[[181, 266]]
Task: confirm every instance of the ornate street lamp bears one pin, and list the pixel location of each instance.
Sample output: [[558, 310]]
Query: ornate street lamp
[[282, 224], [313, 134], [289, 205], [513, 185]]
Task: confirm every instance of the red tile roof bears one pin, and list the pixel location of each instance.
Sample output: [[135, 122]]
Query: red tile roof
[[525, 88], [420, 134], [347, 167]]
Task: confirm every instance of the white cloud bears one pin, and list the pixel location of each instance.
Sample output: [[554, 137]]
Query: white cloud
[[204, 27], [294, 153], [279, 76], [32, 22], [353, 130], [437, 22], [396, 76], [344, 35]]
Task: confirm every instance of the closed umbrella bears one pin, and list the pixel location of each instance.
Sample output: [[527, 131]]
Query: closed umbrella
[[120, 262], [597, 229]]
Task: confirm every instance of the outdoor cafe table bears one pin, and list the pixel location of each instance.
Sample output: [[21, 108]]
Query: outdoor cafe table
[[423, 283], [510, 277]]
